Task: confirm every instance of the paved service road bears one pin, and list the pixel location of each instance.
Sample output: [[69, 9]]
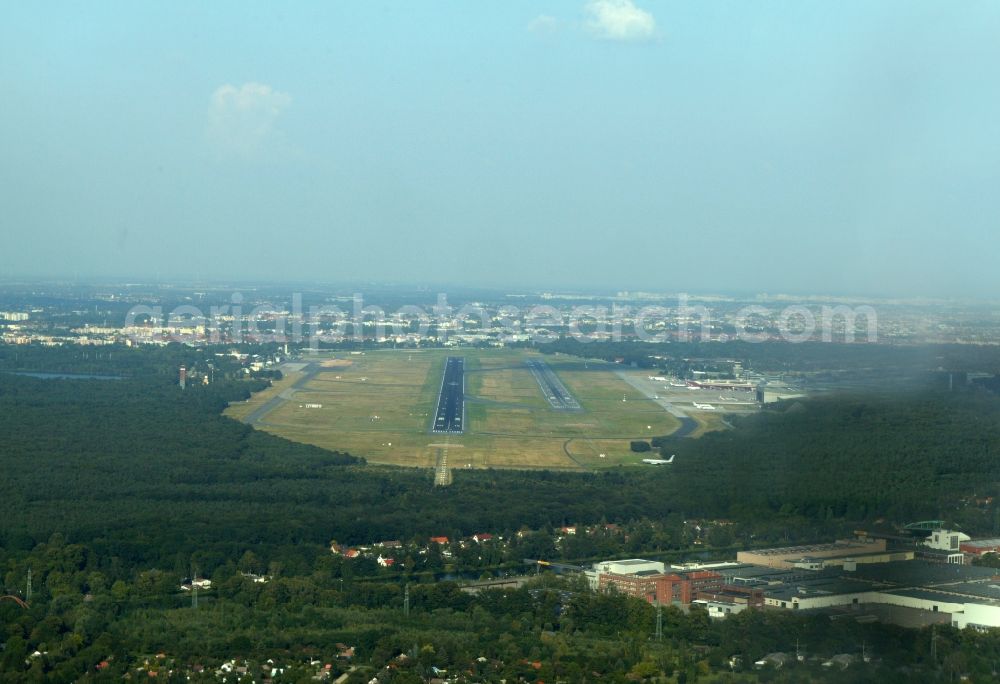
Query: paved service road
[[450, 415]]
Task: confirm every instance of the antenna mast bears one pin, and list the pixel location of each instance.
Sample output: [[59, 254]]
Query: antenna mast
[[194, 586]]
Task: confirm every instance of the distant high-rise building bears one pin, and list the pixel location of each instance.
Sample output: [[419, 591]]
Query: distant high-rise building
[[183, 377]]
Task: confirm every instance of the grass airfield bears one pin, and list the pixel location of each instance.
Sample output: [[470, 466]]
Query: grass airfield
[[380, 404]]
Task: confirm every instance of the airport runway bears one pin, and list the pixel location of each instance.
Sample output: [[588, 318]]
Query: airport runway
[[450, 415], [552, 388], [309, 371]]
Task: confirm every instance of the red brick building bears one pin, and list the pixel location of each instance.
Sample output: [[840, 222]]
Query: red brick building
[[663, 588]]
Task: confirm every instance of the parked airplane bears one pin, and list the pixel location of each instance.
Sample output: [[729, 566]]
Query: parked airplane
[[659, 461]]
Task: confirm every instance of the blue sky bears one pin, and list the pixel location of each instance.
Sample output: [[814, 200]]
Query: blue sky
[[849, 147]]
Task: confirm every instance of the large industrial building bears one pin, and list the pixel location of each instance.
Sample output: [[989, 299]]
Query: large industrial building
[[913, 586], [866, 550], [650, 581], [917, 592], [729, 600]]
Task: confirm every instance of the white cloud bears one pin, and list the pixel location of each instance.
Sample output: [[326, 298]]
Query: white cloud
[[619, 20], [241, 120], [543, 23]]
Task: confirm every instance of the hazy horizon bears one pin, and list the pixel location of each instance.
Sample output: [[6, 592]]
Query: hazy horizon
[[847, 148]]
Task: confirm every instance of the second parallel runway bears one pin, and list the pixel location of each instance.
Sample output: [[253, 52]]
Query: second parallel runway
[[552, 387]]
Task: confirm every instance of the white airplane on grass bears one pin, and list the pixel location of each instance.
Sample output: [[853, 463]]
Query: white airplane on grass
[[659, 461]]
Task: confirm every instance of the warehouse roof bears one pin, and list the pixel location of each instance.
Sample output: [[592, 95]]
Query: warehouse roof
[[812, 589], [979, 590], [920, 573], [928, 595]]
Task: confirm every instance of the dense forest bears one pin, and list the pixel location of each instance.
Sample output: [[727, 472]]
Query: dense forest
[[806, 357], [115, 491], [121, 361], [99, 461], [140, 467], [860, 458]]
